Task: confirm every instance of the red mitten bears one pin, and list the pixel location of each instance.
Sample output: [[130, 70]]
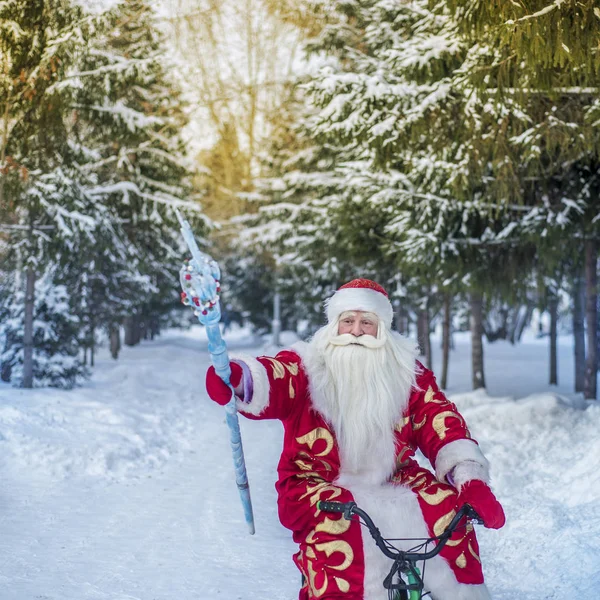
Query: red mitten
[[479, 496], [217, 389]]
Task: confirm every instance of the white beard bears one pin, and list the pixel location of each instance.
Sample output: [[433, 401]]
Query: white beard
[[362, 392]]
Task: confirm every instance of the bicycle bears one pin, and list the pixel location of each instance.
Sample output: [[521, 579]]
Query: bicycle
[[404, 581]]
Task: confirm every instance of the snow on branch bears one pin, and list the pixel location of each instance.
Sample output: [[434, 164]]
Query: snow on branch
[[540, 13], [132, 118], [128, 187]]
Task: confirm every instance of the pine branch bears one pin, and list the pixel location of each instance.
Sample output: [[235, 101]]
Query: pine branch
[[540, 13]]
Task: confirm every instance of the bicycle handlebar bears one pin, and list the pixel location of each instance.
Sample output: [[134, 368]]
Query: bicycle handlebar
[[350, 508]]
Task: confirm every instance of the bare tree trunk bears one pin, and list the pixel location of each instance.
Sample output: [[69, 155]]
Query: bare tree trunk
[[476, 302], [28, 329], [399, 313], [446, 340], [154, 328], [137, 329], [143, 329], [85, 355], [523, 322], [579, 331], [591, 293], [5, 372], [423, 335], [92, 344], [553, 310], [129, 325], [115, 341]]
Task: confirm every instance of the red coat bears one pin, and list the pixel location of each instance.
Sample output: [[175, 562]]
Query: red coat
[[333, 553]]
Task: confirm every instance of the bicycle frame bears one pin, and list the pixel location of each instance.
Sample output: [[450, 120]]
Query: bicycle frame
[[405, 562]]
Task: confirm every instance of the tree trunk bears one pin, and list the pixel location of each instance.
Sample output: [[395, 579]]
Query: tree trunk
[[154, 328], [553, 310], [115, 341], [28, 329], [92, 345], [143, 329], [523, 322], [446, 332], [129, 325], [591, 293], [476, 302], [399, 314], [6, 372], [137, 329], [423, 335], [579, 331]]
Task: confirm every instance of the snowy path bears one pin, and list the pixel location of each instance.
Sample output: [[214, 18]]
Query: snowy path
[[151, 515], [123, 490]]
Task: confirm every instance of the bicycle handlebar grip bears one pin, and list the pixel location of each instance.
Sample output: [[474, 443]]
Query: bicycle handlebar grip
[[472, 514], [332, 507]]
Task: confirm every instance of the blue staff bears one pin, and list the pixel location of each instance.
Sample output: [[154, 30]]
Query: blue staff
[[200, 283]]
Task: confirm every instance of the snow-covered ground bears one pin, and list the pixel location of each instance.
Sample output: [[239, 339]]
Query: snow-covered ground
[[123, 489]]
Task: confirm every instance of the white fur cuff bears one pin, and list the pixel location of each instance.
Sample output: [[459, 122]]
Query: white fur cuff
[[259, 399], [459, 451]]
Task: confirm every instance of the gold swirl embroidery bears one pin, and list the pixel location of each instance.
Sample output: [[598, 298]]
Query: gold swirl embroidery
[[316, 491], [316, 592], [439, 422], [455, 542], [430, 397], [319, 461], [337, 546], [335, 527], [278, 370], [461, 561], [473, 553], [417, 482], [443, 522], [303, 465], [437, 498], [292, 391], [400, 425], [310, 490], [417, 426], [320, 433], [292, 368], [310, 475], [342, 584]]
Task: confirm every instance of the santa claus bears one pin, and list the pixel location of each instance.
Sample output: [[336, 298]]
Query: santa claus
[[355, 405]]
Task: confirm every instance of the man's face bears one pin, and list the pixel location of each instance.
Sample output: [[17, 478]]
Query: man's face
[[357, 323]]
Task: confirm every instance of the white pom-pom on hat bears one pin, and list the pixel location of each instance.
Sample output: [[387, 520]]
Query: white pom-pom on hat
[[360, 294]]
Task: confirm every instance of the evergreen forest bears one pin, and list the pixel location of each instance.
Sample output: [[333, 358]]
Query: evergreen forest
[[449, 150]]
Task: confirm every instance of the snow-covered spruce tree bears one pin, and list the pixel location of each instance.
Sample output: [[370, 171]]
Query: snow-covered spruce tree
[[42, 197], [548, 65], [56, 360], [129, 123], [301, 206], [406, 92]]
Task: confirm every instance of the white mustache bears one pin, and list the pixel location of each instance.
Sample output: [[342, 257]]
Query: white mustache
[[368, 341]]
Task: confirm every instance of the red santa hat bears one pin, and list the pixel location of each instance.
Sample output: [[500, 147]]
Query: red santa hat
[[360, 294]]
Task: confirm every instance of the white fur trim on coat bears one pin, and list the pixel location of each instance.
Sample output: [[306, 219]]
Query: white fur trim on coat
[[360, 299], [466, 458], [260, 383], [396, 512]]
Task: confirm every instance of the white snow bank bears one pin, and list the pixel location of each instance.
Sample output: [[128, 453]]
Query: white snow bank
[[544, 456], [124, 488]]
